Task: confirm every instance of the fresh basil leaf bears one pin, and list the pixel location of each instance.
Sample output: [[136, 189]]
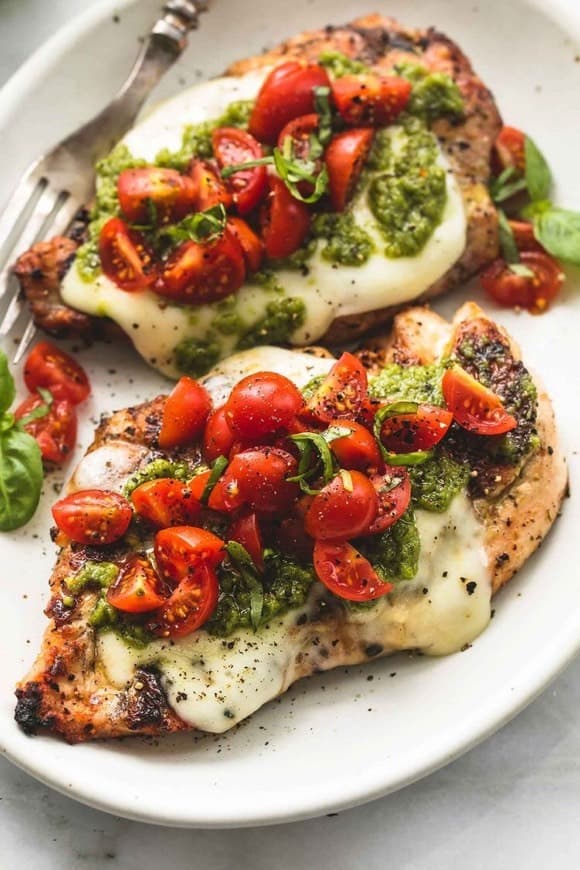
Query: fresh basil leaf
[[322, 106], [244, 564], [41, 410], [538, 175], [217, 469], [203, 226], [7, 388], [334, 432], [521, 271], [558, 230], [227, 171], [417, 457], [532, 209], [507, 185], [507, 242], [293, 171], [317, 441], [20, 477]]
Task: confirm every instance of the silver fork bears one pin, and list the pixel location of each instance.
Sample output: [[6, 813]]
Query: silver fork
[[54, 188]]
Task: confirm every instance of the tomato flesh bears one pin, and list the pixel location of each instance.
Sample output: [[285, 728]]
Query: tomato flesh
[[524, 237], [180, 550], [50, 367], [534, 292], [393, 489], [125, 257], [151, 193], [347, 573], [285, 221], [473, 406], [55, 432], [93, 516], [252, 246], [245, 529], [405, 433], [185, 414], [344, 508], [218, 438], [343, 392], [189, 606], [357, 450], [345, 158], [257, 478], [138, 588], [299, 132], [286, 93], [370, 98], [209, 186], [233, 146], [166, 502], [261, 404], [510, 148], [200, 272]]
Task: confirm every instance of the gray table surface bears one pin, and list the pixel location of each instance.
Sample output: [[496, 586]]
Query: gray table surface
[[512, 802]]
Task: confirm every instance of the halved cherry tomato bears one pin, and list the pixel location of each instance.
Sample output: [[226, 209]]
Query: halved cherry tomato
[[180, 550], [166, 502], [285, 221], [393, 489], [218, 438], [343, 392], [189, 606], [510, 148], [252, 246], [370, 98], [256, 478], [185, 414], [50, 367], [358, 449], [262, 404], [138, 588], [245, 529], [200, 272], [347, 573], [345, 158], [405, 433], [232, 146], [474, 407], [55, 432], [149, 192], [93, 516], [125, 257], [299, 131], [291, 538], [344, 508], [524, 237], [533, 292], [210, 188], [286, 93]]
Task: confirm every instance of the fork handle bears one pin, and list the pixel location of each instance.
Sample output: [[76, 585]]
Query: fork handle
[[160, 49]]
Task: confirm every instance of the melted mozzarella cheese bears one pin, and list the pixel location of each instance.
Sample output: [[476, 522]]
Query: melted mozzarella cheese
[[212, 682], [328, 291]]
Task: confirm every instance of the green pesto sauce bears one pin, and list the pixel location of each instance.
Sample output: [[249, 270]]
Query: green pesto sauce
[[96, 574], [409, 383], [395, 554], [195, 357], [338, 64], [282, 318], [284, 586], [435, 483], [434, 94], [346, 243], [156, 469], [408, 195]]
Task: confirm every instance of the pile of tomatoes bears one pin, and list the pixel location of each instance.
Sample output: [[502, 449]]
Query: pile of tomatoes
[[265, 217], [57, 384], [325, 471]]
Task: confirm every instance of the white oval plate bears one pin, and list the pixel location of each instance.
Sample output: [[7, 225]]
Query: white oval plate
[[340, 738]]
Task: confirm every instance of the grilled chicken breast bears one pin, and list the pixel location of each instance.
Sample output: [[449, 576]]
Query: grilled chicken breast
[[89, 684]]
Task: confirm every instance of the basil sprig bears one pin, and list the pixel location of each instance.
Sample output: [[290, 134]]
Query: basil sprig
[[217, 469], [244, 564], [202, 226], [558, 230], [416, 457], [316, 458], [20, 461]]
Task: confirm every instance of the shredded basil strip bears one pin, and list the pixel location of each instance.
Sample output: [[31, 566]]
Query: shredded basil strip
[[393, 410], [537, 173], [507, 184], [507, 242], [244, 564], [41, 410], [202, 226], [322, 106], [292, 171], [306, 442], [217, 469], [227, 171], [522, 271]]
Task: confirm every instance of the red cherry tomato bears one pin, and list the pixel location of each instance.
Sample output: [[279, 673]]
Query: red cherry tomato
[[245, 529], [210, 188], [189, 606], [51, 368], [345, 158], [218, 438], [93, 516], [251, 245], [343, 393], [179, 550], [299, 131], [185, 414], [233, 146], [370, 98], [291, 538], [166, 502], [358, 449], [151, 192], [55, 432], [197, 273], [138, 588], [286, 93], [261, 404], [523, 233], [344, 508], [534, 291], [347, 573], [285, 221], [256, 478], [405, 433], [393, 489], [125, 257], [510, 148], [473, 406]]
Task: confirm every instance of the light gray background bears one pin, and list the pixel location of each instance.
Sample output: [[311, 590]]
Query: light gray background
[[513, 802]]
